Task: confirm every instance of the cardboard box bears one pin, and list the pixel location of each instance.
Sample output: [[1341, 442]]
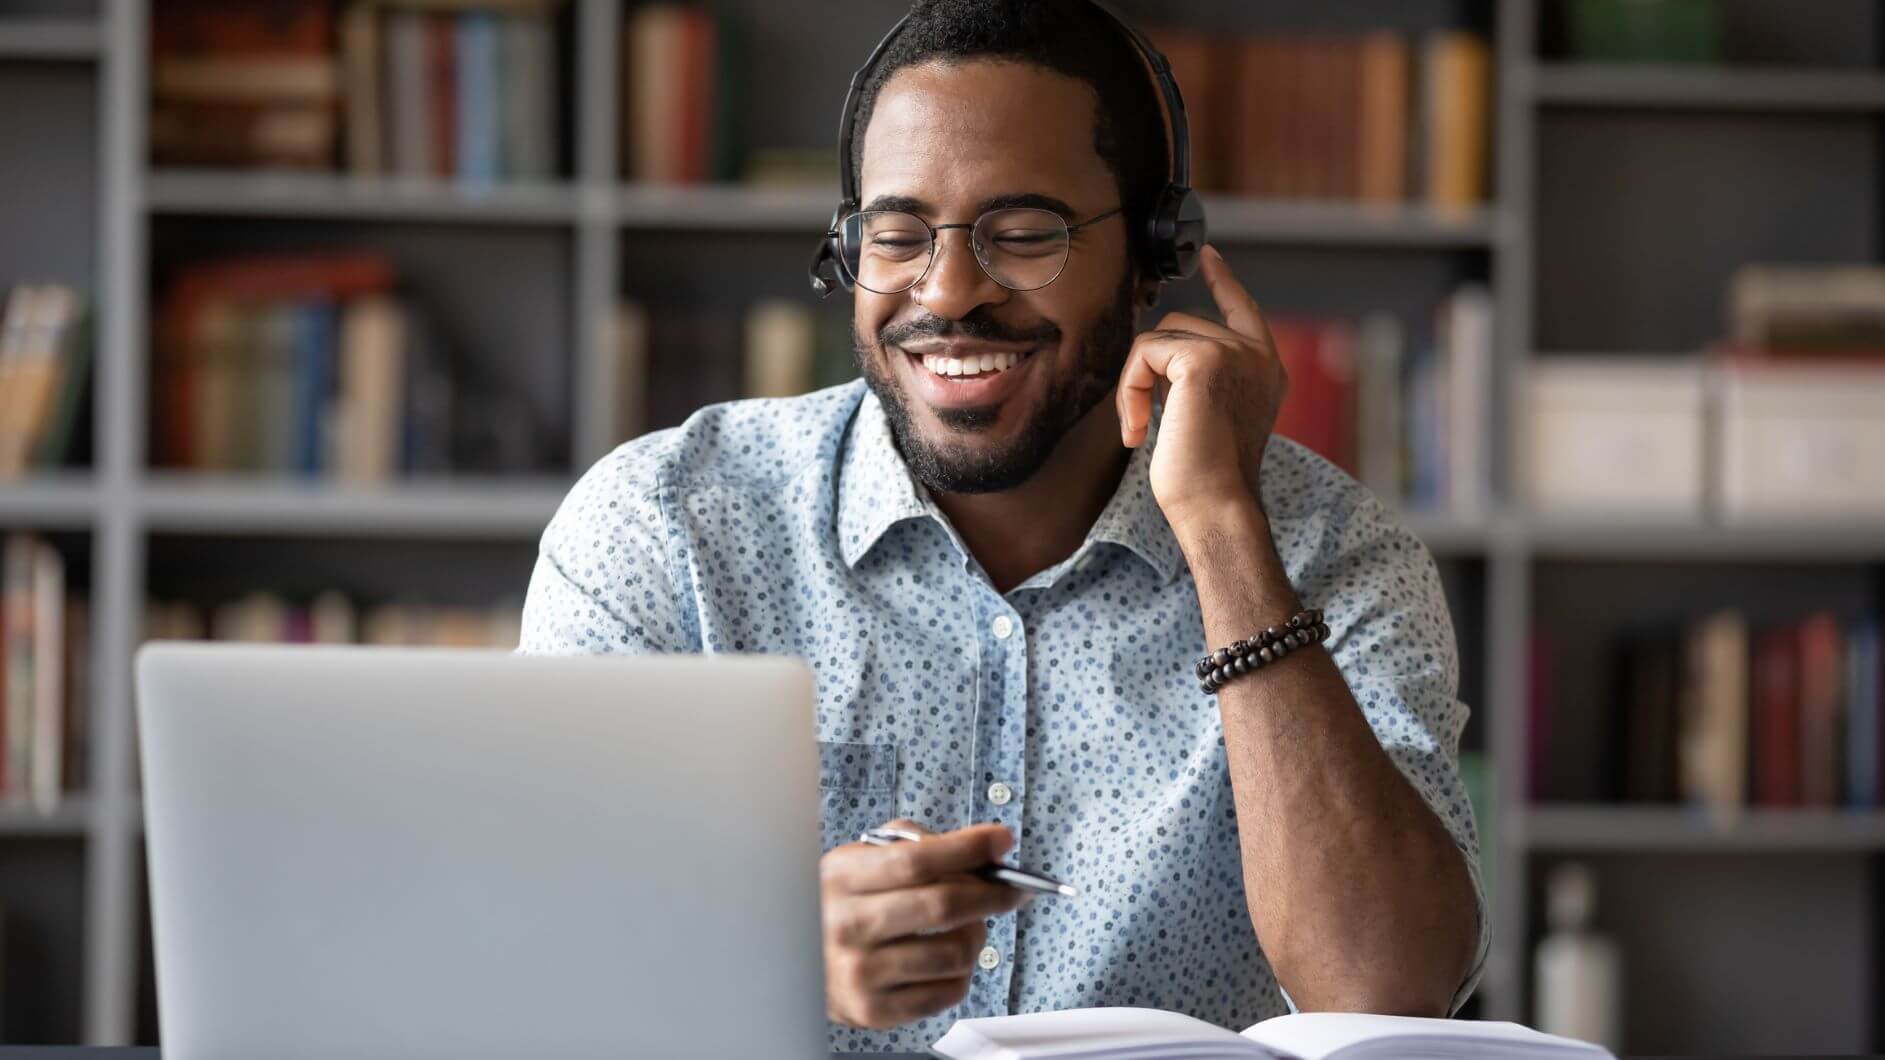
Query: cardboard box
[[1802, 440], [1617, 434]]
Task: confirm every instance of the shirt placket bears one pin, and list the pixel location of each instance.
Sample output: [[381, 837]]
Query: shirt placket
[[999, 790]]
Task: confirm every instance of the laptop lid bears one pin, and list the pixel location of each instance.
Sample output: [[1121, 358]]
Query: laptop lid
[[413, 853]]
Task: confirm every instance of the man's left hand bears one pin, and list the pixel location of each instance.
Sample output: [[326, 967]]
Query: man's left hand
[[1224, 385]]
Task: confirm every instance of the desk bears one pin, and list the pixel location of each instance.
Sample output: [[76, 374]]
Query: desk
[[76, 1053]]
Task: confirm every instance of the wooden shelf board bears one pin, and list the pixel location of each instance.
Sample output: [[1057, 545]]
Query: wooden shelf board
[[436, 508], [55, 502], [23, 37]]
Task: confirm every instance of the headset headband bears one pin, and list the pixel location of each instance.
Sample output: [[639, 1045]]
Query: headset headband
[[1177, 217]]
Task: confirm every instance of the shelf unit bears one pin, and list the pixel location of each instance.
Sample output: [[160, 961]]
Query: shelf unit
[[596, 226]]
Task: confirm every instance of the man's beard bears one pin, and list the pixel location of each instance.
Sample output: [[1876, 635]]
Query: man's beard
[[956, 468]]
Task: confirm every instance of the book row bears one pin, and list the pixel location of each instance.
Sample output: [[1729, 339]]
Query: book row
[[320, 365], [43, 675], [334, 618], [1730, 711]]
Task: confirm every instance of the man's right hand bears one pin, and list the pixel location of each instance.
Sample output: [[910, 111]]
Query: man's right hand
[[904, 923]]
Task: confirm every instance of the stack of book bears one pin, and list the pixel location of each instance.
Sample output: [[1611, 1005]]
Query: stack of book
[[43, 676], [420, 88], [1808, 312], [1405, 418], [334, 618], [1729, 712], [677, 113], [668, 361], [1378, 117], [237, 84], [45, 358], [314, 365]]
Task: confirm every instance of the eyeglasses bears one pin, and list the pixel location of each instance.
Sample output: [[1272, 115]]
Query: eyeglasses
[[1023, 249]]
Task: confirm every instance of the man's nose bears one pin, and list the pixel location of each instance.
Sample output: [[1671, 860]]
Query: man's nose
[[956, 283]]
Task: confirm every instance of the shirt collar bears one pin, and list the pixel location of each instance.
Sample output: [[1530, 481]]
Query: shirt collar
[[876, 491]]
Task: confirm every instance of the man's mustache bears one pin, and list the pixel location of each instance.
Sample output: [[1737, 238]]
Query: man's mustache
[[978, 325]]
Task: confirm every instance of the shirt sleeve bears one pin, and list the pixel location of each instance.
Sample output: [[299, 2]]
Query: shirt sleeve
[[1391, 635], [604, 582]]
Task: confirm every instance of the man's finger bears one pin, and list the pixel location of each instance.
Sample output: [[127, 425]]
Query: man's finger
[[924, 861], [878, 918], [1240, 310]]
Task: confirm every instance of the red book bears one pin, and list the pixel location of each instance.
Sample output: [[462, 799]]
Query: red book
[[1822, 683], [441, 53], [1319, 411], [281, 27], [1776, 710]]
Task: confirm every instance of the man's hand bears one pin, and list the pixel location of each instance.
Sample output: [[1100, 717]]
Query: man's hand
[[1225, 385], [904, 923]]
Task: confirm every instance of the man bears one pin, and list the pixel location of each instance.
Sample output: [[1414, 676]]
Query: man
[[1002, 552]]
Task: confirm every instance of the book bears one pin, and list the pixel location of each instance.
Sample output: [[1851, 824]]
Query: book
[[1775, 711], [1319, 411], [1458, 98], [1100, 1033], [1808, 310], [1863, 745], [781, 339], [1712, 747], [1822, 710], [1381, 166], [409, 121]]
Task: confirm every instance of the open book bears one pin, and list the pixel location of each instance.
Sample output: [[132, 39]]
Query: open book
[[1144, 1034]]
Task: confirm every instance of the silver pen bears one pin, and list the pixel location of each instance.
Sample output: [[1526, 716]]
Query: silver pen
[[996, 873]]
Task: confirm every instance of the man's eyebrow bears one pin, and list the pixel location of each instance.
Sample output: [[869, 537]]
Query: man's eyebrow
[[1027, 199], [905, 203]]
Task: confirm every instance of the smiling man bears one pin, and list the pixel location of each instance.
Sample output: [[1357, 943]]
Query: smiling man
[[1003, 552]]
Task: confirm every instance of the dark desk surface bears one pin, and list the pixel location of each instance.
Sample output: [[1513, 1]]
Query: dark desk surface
[[76, 1053], [59, 1052]]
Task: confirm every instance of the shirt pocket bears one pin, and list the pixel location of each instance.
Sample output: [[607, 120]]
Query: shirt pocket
[[857, 788]]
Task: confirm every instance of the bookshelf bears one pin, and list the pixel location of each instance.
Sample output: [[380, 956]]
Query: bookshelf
[[1551, 247]]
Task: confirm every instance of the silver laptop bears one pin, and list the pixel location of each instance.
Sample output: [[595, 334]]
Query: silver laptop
[[370, 852]]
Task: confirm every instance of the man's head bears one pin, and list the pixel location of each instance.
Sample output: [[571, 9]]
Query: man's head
[[984, 103]]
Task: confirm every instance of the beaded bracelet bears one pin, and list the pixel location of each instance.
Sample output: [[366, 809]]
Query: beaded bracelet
[[1241, 657]]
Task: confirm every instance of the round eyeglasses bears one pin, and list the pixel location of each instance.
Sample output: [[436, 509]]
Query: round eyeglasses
[[1021, 248]]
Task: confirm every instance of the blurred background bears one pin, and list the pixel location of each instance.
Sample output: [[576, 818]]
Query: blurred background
[[313, 309]]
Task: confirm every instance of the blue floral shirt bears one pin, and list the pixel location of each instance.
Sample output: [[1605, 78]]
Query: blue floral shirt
[[1064, 708]]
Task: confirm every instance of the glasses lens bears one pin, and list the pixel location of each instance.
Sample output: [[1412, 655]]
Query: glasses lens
[[886, 251], [1022, 249]]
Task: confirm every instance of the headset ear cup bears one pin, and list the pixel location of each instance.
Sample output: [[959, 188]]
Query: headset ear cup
[[1178, 233]]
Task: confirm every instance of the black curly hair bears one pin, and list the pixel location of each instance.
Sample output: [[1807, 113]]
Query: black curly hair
[[1071, 37]]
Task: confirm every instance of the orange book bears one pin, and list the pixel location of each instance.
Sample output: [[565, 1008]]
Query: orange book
[[1459, 66], [1381, 141]]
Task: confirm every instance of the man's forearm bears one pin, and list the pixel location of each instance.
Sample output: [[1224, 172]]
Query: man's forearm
[[1359, 897]]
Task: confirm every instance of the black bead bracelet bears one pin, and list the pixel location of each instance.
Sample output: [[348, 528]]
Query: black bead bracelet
[[1241, 657]]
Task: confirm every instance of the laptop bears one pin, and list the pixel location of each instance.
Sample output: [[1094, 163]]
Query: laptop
[[376, 852]]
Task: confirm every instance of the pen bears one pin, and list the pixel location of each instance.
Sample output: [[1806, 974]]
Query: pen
[[1027, 881]]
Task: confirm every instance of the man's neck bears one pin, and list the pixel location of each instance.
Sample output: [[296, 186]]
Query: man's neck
[[1019, 532]]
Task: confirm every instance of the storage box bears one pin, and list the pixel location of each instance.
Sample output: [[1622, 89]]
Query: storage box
[[1613, 435], [1802, 441]]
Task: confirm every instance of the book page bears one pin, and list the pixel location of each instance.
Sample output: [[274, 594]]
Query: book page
[[1314, 1035], [1094, 1033]]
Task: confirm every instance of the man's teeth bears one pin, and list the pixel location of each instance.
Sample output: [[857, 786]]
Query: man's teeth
[[987, 362]]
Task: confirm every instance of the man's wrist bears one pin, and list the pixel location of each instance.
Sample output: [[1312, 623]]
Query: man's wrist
[[1234, 523]]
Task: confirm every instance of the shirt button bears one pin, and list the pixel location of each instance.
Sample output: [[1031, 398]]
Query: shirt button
[[999, 793], [1004, 626], [988, 958]]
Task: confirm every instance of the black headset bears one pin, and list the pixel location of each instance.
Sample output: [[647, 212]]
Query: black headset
[[1174, 231]]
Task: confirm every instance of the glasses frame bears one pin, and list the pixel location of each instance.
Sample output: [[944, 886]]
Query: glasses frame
[[935, 243]]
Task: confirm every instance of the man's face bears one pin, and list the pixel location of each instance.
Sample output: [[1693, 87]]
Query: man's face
[[945, 142]]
